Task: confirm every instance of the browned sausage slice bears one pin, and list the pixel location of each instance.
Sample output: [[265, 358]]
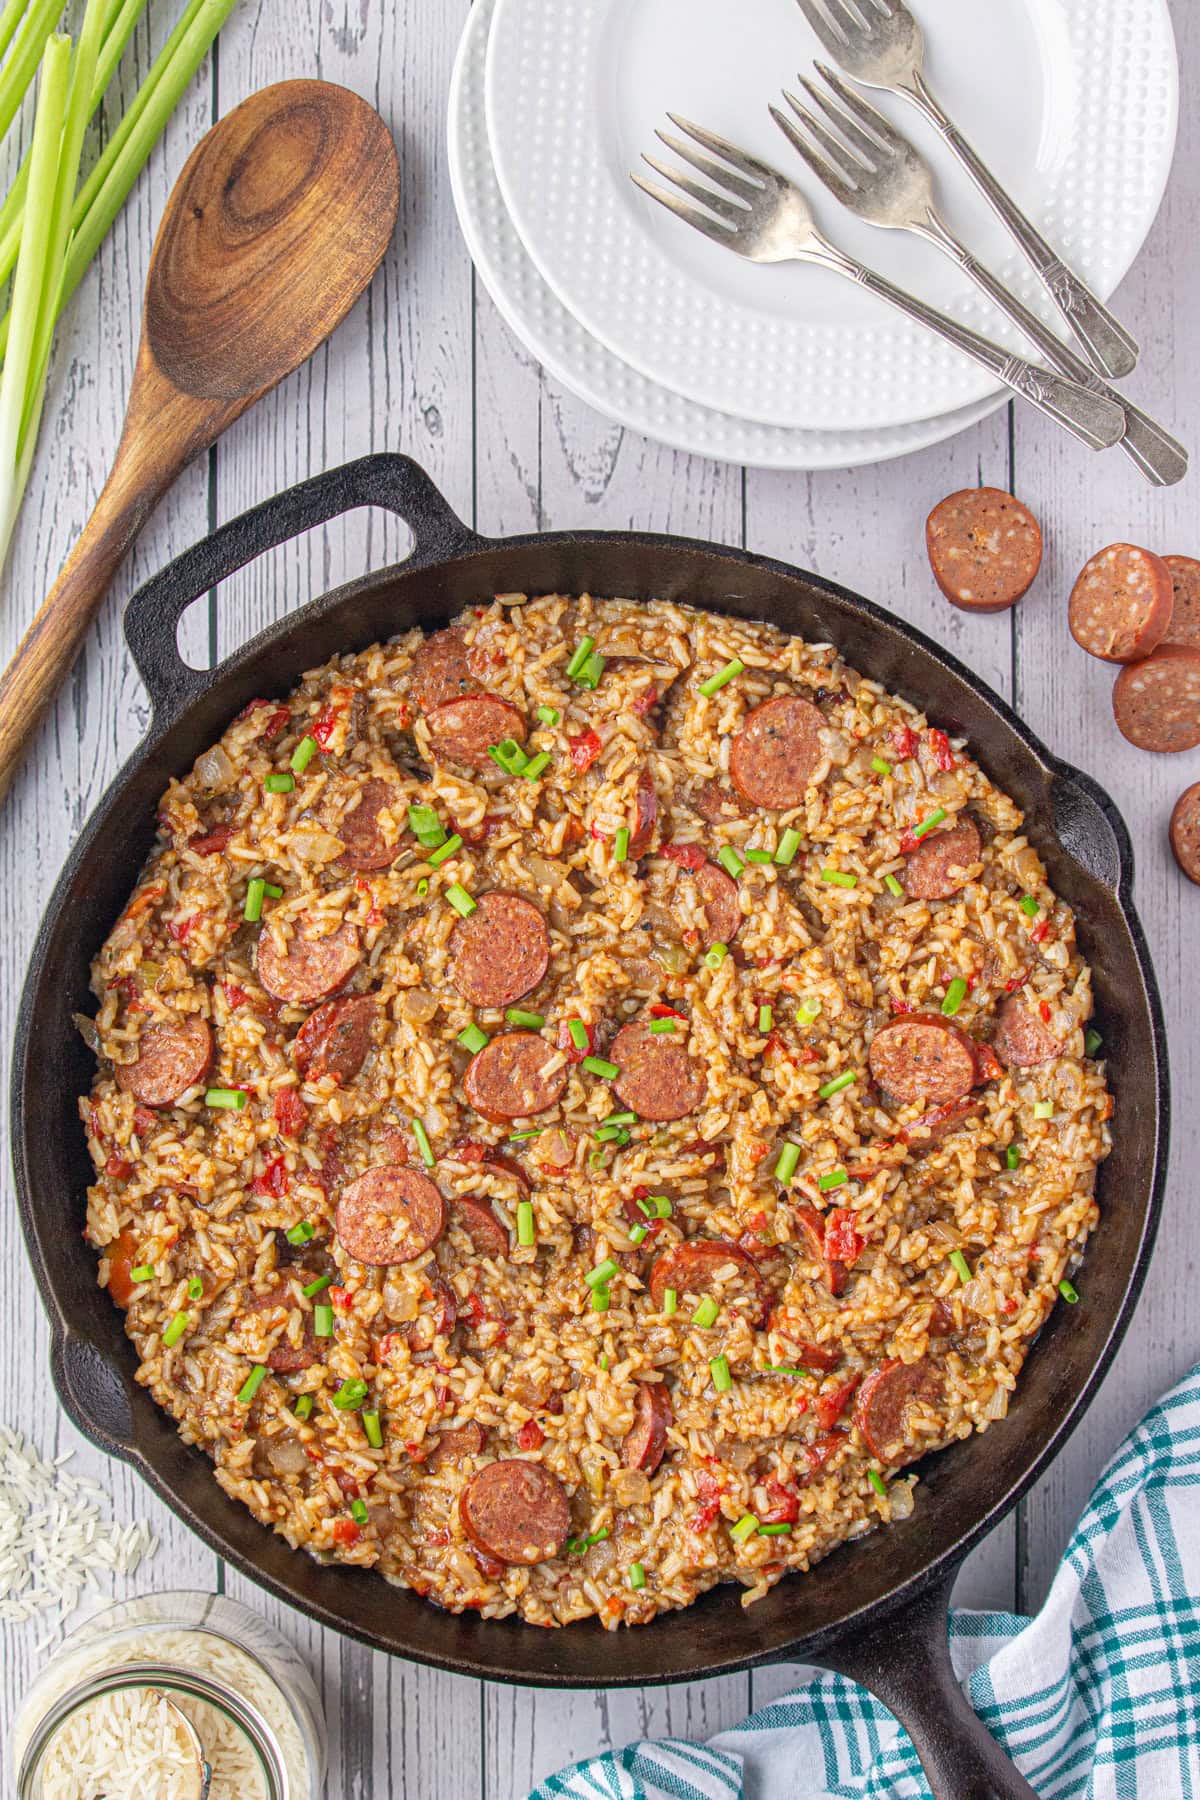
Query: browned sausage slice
[[717, 804], [693, 1268], [777, 752], [645, 815], [500, 951], [171, 1059], [882, 1402], [1022, 1040], [1185, 831], [1156, 703], [466, 729], [441, 670], [813, 1226], [481, 1225], [921, 1056], [287, 1358], [722, 907], [456, 1443], [510, 1077], [658, 1078], [1185, 613], [985, 549], [389, 1215], [367, 849], [516, 1511], [938, 866], [645, 1445], [1121, 604], [310, 967], [334, 1039]]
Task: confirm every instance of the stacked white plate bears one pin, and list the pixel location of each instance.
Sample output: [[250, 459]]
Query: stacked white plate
[[1073, 102]]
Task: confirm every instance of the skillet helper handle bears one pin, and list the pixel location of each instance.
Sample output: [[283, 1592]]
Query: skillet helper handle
[[905, 1662], [394, 482]]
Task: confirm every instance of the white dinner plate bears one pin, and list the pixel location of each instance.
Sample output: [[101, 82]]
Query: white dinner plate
[[558, 341], [1073, 102]]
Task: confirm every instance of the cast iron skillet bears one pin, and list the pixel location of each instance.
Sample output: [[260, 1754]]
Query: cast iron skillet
[[876, 1608]]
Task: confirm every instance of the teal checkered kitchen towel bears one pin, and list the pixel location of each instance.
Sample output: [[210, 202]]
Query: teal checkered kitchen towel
[[1098, 1698]]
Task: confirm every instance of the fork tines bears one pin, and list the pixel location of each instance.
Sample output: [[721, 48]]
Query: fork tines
[[841, 22], [867, 139], [734, 192]]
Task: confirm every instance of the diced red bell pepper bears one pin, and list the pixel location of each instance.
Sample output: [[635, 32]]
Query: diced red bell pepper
[[342, 1300], [785, 1503], [584, 750], [118, 1167], [943, 755], [688, 856], [207, 843], [905, 741], [831, 1405], [291, 1114], [346, 1533], [274, 1179], [531, 1436], [843, 1241]]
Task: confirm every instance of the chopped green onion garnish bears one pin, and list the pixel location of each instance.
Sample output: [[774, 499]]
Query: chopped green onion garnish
[[706, 1313], [730, 861], [961, 1266], [661, 1205], [773, 1530], [460, 900], [809, 1009], [578, 1033], [273, 893], [523, 1137], [670, 1301], [790, 1369], [425, 825], [592, 670], [531, 1021], [143, 1272], [176, 1329], [423, 1143], [600, 1299], [350, 1394], [956, 993], [549, 715], [282, 783], [373, 1429], [715, 955], [322, 1321], [721, 1378], [612, 1134], [582, 651], [893, 887], [846, 1079], [303, 1407], [472, 1039], [766, 1019], [758, 856], [745, 1528], [232, 1099], [621, 847], [596, 1065], [596, 1157], [195, 1288], [789, 1157], [317, 1287], [444, 852], [303, 754], [878, 1483], [716, 682], [359, 1513], [789, 843], [509, 755], [603, 1362], [935, 818], [535, 766], [300, 1233], [637, 1233], [1092, 1042], [603, 1273], [1029, 905], [422, 888], [625, 1118], [836, 1178], [252, 911], [252, 1383], [838, 878], [1043, 1109], [881, 765], [661, 1027], [525, 1232], [1068, 1293], [637, 1576], [1012, 1157]]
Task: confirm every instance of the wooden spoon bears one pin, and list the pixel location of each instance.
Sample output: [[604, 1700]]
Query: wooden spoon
[[275, 227]]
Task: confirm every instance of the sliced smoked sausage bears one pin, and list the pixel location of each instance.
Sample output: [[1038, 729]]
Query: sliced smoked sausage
[[1021, 1039], [716, 804], [985, 549], [1156, 703], [500, 951], [693, 1268], [488, 1236], [938, 866], [389, 1215], [456, 1443], [288, 1358], [777, 752], [1185, 613], [1185, 831], [367, 848], [882, 1402], [722, 906], [335, 1038], [441, 670], [645, 814], [310, 967], [658, 1079], [516, 1511], [921, 1056], [171, 1059], [466, 729], [1121, 603], [515, 1076], [645, 1444]]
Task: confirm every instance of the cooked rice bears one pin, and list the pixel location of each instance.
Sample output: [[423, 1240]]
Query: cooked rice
[[203, 1193]]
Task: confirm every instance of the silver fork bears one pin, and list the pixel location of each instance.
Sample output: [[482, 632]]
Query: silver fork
[[877, 174], [758, 213], [879, 42]]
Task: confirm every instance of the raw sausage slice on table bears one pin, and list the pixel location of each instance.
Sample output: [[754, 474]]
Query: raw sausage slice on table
[[499, 952], [882, 1402], [389, 1215], [335, 1038], [367, 849], [1022, 1040], [645, 1444], [921, 1056], [938, 866], [310, 967], [777, 752], [1185, 831], [441, 670], [488, 1236], [466, 729], [516, 1511], [694, 1266], [1185, 613], [170, 1059], [985, 549], [1156, 703], [1121, 603], [658, 1079], [515, 1076]]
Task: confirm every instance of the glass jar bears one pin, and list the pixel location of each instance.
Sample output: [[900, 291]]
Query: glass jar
[[247, 1693]]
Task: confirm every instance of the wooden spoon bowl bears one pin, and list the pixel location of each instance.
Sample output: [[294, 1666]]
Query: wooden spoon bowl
[[274, 229]]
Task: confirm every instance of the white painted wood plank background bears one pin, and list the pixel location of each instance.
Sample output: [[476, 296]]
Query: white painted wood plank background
[[425, 365]]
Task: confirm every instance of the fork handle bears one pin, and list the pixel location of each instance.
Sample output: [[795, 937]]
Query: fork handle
[[1091, 418], [1108, 346]]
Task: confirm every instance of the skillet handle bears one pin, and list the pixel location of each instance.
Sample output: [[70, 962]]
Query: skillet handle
[[905, 1662], [394, 482]]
